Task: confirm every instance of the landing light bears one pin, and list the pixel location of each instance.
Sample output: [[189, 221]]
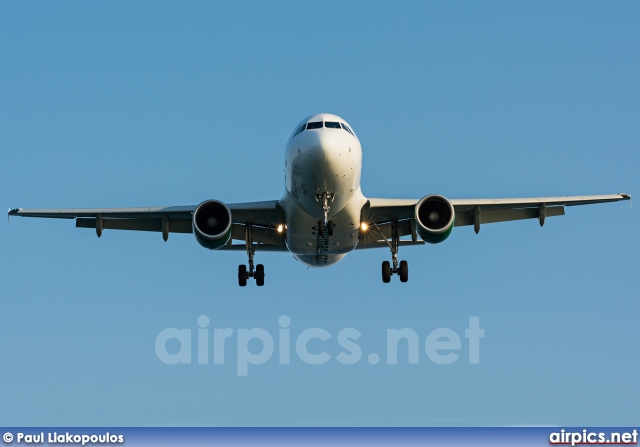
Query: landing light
[[364, 226], [280, 228]]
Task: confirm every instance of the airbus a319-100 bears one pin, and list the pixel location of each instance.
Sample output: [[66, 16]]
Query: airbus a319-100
[[323, 214]]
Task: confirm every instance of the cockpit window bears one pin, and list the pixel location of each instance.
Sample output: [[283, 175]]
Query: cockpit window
[[314, 125], [345, 127], [321, 124], [300, 129]]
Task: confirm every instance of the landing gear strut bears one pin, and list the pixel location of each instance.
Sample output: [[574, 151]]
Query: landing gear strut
[[398, 268], [258, 272], [325, 225]]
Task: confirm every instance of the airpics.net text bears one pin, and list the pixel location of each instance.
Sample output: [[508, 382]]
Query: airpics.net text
[[256, 346]]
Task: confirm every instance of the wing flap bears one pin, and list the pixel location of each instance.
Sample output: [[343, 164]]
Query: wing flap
[[383, 231], [267, 214], [175, 225], [507, 215], [386, 210], [259, 247], [462, 205], [260, 235], [383, 244]]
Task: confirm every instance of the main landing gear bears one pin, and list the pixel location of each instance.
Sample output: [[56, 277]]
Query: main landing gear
[[256, 273], [402, 270], [394, 268], [325, 226]]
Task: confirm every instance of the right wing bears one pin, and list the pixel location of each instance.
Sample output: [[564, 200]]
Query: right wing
[[382, 212]]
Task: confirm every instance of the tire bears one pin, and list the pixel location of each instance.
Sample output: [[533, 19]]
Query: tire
[[330, 228], [259, 275], [404, 271], [320, 228], [242, 275], [386, 272]]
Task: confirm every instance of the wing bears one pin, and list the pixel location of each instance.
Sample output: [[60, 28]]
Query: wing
[[263, 216], [382, 212]]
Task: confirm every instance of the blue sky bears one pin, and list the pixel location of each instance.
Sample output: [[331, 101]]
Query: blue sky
[[156, 103]]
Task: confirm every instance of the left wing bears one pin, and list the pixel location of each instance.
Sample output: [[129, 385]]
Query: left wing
[[382, 212], [263, 216]]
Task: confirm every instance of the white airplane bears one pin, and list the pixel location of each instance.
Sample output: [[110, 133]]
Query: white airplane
[[323, 214]]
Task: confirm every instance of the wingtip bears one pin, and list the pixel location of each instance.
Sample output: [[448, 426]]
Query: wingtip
[[10, 213], [627, 197]]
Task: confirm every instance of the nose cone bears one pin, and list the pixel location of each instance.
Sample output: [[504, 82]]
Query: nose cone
[[326, 148], [329, 162], [328, 159]]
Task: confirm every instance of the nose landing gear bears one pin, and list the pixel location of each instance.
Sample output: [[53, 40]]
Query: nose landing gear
[[325, 225]]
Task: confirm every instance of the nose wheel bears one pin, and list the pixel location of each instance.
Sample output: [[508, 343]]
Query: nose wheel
[[256, 273], [325, 226]]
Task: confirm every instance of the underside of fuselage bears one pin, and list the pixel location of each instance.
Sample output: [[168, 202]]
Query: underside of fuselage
[[308, 245]]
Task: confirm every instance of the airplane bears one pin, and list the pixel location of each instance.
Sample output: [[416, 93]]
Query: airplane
[[323, 214]]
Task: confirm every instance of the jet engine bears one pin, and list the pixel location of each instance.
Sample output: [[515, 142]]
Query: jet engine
[[434, 217], [212, 224]]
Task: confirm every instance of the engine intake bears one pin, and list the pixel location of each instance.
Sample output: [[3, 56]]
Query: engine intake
[[434, 218], [212, 224]]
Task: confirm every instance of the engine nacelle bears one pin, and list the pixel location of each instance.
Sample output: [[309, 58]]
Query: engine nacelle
[[434, 218], [212, 224]]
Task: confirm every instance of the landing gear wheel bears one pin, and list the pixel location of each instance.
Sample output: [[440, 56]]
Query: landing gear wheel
[[259, 275], [404, 271], [242, 275], [320, 228], [386, 271], [330, 228]]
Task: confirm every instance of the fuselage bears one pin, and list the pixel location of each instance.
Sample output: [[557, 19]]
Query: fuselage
[[323, 157]]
